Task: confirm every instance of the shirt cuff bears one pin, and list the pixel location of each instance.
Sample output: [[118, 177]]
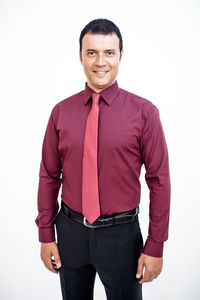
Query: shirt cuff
[[153, 248], [46, 235]]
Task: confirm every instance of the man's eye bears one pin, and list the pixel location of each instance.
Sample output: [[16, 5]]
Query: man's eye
[[110, 52], [90, 53]]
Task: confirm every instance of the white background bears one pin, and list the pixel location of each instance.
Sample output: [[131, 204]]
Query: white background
[[39, 66]]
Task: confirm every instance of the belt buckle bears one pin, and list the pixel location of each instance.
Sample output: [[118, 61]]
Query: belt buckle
[[85, 223]]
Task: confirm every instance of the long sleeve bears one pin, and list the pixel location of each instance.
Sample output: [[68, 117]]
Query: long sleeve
[[49, 181], [155, 158]]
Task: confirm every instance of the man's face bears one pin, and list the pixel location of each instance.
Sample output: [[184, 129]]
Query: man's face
[[100, 58]]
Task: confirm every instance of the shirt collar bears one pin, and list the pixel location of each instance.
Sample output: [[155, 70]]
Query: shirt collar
[[108, 93]]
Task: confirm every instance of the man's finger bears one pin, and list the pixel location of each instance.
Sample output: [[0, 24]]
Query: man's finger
[[147, 277], [140, 268], [49, 265], [57, 260]]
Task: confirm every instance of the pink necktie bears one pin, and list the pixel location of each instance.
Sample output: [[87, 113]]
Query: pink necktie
[[90, 191]]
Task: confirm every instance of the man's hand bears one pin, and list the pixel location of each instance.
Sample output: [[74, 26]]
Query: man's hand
[[153, 267], [47, 251]]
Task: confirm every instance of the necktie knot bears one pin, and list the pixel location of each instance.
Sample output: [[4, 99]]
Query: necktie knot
[[96, 97]]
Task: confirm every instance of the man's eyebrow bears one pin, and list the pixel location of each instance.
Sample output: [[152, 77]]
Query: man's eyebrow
[[96, 50]]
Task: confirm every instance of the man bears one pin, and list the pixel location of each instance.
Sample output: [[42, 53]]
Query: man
[[95, 144]]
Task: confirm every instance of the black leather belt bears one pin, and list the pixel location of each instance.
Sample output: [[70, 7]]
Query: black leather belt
[[101, 221]]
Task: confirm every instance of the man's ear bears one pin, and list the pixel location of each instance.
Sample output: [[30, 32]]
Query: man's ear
[[121, 54], [80, 56]]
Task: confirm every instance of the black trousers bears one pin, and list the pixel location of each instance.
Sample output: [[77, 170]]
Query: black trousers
[[112, 252]]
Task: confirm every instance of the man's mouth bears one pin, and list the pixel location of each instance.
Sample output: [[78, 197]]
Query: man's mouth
[[100, 72]]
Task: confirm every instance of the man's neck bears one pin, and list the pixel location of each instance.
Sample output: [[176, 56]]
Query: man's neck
[[96, 89]]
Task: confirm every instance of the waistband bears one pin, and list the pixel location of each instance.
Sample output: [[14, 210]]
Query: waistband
[[101, 221]]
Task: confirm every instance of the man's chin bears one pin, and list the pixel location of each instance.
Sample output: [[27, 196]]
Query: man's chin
[[101, 83]]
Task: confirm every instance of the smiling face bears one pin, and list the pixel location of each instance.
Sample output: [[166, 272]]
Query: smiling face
[[100, 57]]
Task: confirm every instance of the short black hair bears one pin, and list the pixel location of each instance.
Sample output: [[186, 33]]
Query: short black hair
[[101, 26]]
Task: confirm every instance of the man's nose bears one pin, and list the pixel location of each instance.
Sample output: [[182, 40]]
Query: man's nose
[[100, 61]]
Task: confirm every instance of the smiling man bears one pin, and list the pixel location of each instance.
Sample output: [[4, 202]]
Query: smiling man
[[101, 63], [95, 144]]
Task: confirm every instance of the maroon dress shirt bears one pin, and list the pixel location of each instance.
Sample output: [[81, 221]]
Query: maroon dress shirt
[[130, 135]]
